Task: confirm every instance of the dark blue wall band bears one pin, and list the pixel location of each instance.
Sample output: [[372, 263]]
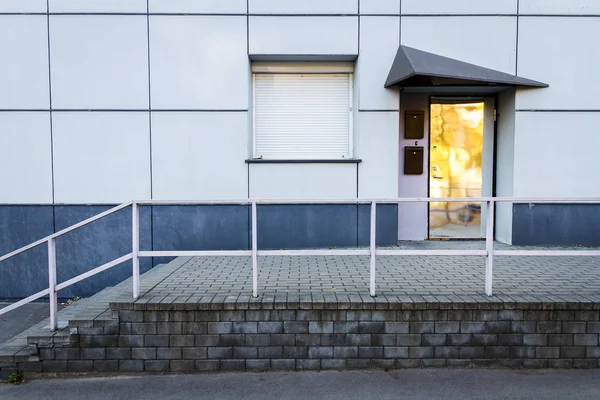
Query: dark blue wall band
[[556, 224], [219, 227]]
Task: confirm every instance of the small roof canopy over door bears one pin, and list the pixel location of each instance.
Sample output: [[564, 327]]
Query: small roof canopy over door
[[417, 70]]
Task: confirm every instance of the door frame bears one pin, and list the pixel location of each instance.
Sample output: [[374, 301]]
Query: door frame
[[489, 99]]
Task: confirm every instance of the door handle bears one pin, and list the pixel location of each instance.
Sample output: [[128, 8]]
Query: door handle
[[437, 177]]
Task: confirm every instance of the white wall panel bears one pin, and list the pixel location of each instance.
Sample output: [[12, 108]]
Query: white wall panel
[[94, 6], [101, 157], [505, 163], [556, 154], [304, 7], [99, 61], [198, 6], [558, 51], [379, 41], [23, 6], [200, 155], [304, 35], [378, 150], [559, 7], [459, 6], [380, 6], [24, 66], [25, 157], [486, 41], [198, 62], [303, 181]]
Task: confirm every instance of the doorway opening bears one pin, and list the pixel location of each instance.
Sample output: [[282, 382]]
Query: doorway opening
[[461, 158]]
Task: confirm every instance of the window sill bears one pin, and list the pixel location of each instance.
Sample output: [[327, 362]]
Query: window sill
[[302, 161]]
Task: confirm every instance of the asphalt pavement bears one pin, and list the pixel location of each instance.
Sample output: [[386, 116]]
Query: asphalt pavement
[[429, 384]]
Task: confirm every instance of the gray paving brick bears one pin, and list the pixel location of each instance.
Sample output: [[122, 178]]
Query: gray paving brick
[[131, 365], [143, 353], [117, 353], [320, 327], [422, 327], [258, 365], [233, 365], [573, 327], [169, 353], [106, 365], [219, 327], [283, 365], [270, 352], [181, 341], [156, 365], [395, 352], [258, 340], [207, 365], [408, 340], [206, 340], [81, 365], [308, 365], [93, 354], [584, 339], [219, 352], [181, 365], [270, 327]]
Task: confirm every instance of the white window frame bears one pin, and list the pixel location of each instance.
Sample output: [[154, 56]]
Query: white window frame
[[303, 68]]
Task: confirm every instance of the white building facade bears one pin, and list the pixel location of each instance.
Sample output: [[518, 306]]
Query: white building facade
[[105, 101]]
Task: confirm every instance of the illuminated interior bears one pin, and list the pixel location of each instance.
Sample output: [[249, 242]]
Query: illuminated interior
[[455, 169]]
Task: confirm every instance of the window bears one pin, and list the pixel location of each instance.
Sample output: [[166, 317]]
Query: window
[[303, 111]]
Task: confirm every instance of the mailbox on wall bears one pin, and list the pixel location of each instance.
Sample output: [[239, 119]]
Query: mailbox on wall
[[413, 160], [414, 124]]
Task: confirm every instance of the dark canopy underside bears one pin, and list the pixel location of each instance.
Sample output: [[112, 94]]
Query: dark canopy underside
[[414, 68]]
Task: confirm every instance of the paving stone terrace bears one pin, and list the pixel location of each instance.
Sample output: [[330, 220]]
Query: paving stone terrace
[[415, 276], [197, 314]]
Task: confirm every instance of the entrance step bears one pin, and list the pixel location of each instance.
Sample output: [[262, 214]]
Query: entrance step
[[87, 316]]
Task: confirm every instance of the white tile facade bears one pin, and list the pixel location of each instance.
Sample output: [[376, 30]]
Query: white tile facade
[[486, 41], [101, 157], [24, 69], [303, 181], [198, 6], [570, 63], [441, 7], [188, 159], [198, 62], [379, 39], [304, 35], [99, 61], [554, 7], [97, 6], [23, 6], [25, 165], [378, 148], [304, 7], [556, 154], [379, 7]]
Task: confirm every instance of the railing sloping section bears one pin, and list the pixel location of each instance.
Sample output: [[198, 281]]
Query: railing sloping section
[[372, 252]]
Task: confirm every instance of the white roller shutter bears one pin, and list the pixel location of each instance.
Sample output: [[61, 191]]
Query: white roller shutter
[[302, 116]]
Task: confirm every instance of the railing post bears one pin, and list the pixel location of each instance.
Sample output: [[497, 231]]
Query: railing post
[[52, 283], [135, 248], [373, 247], [254, 253], [489, 247]]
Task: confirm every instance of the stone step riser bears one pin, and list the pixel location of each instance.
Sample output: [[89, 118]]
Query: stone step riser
[[533, 335]]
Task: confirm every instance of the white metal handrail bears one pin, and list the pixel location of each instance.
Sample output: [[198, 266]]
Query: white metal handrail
[[372, 252], [53, 287]]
